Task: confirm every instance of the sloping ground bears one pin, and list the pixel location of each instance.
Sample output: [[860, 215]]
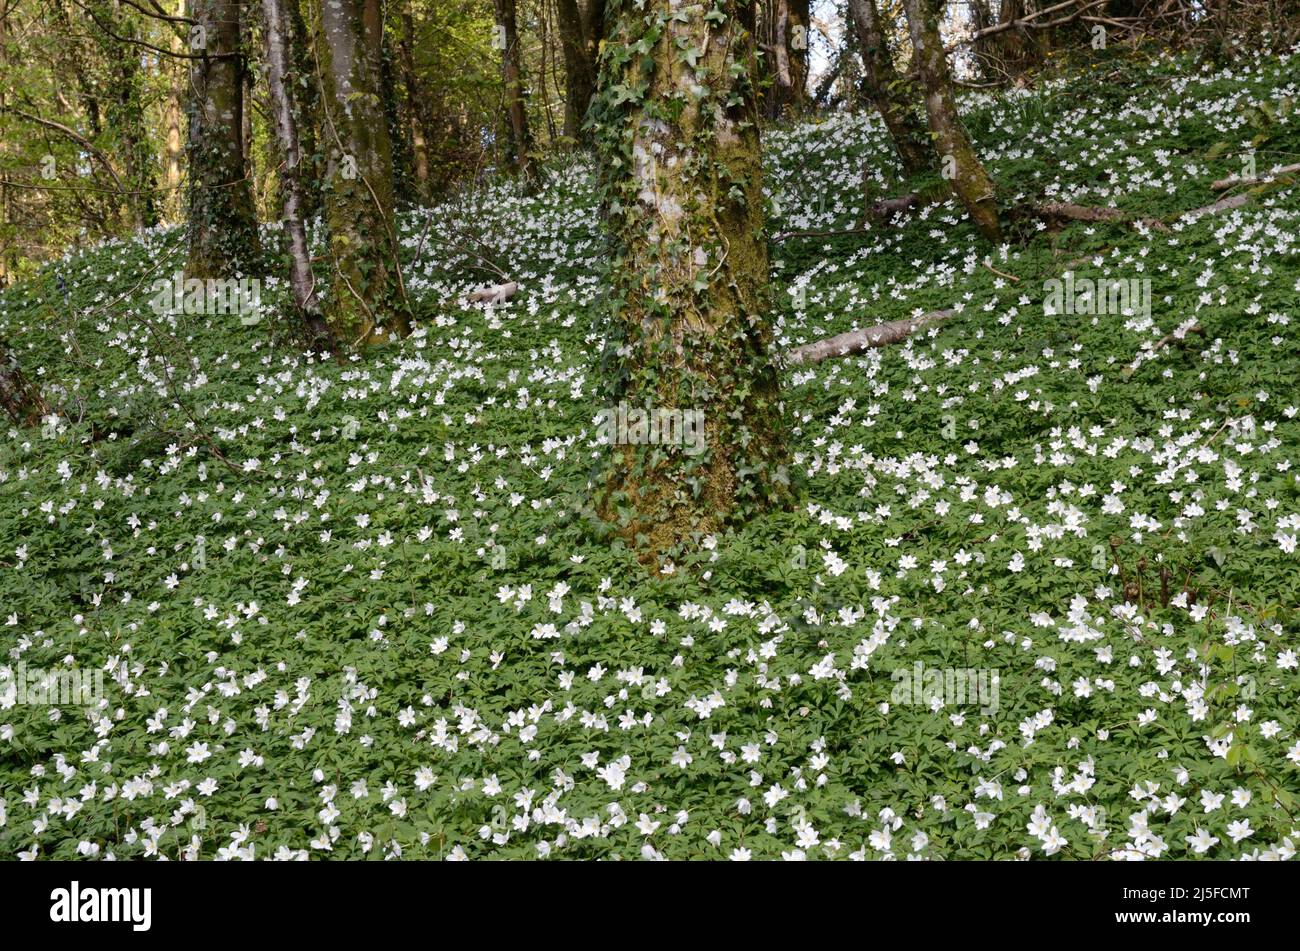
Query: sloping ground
[[361, 610]]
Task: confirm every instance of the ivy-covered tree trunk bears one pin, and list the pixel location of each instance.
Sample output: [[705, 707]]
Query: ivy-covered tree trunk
[[404, 190], [367, 302], [222, 222], [957, 157], [580, 34], [519, 141], [889, 92], [677, 128]]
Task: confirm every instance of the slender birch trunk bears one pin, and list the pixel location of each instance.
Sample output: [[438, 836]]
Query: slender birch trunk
[[275, 32]]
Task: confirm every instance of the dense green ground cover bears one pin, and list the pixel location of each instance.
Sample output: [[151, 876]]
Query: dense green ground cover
[[362, 609]]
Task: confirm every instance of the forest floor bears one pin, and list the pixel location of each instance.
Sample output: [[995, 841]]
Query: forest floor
[[362, 609]]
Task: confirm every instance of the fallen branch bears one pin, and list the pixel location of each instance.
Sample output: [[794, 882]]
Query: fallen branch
[[1064, 209], [867, 338], [786, 235], [1232, 180]]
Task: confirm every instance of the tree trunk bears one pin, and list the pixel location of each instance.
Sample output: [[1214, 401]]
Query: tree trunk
[[580, 33], [249, 155], [126, 120], [799, 40], [403, 159], [222, 222], [982, 19], [367, 302], [306, 100], [783, 85], [8, 246], [275, 32], [416, 103], [888, 91], [172, 113], [518, 139], [20, 399], [677, 127], [1016, 46], [957, 157]]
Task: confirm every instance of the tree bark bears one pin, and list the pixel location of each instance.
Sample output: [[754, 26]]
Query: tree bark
[[367, 302], [172, 112], [126, 121], [306, 100], [799, 36], [518, 138], [580, 34], [275, 31], [957, 156], [689, 334], [416, 102], [403, 157], [8, 246], [982, 19], [223, 240], [888, 92], [1017, 48], [20, 399], [781, 55]]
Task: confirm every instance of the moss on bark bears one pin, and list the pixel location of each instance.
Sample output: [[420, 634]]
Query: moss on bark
[[970, 181], [223, 238], [367, 303]]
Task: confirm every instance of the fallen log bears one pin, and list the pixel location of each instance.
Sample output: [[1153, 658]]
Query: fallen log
[[866, 338], [888, 209], [493, 293], [1068, 211], [1222, 205]]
